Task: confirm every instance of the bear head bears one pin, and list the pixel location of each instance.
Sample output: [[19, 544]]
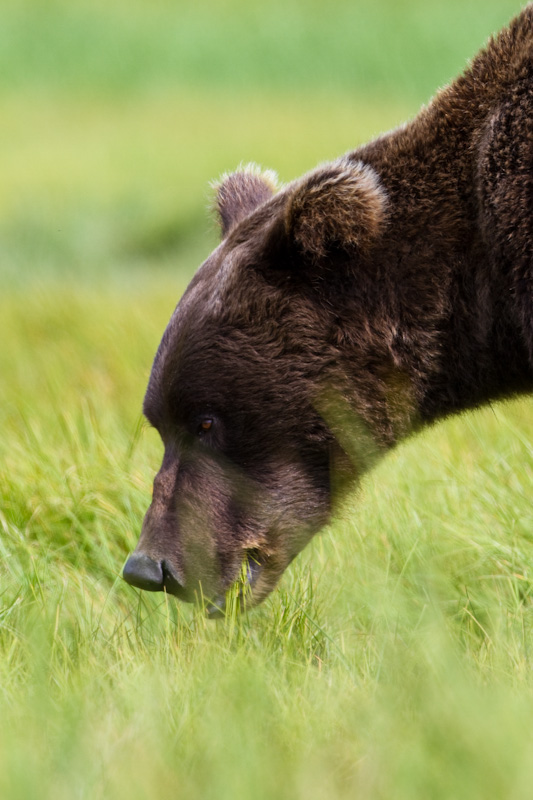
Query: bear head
[[250, 363]]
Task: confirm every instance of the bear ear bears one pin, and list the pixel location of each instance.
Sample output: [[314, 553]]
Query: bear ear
[[341, 205], [238, 194]]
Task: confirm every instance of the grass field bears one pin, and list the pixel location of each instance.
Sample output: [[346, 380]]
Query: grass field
[[394, 660]]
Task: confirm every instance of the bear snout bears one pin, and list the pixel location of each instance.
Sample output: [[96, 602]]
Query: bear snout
[[152, 575], [143, 572]]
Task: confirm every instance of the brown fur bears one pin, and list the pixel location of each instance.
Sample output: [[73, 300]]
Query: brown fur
[[338, 315]]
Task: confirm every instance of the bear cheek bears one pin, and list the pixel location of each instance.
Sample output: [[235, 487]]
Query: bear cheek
[[299, 506], [216, 507]]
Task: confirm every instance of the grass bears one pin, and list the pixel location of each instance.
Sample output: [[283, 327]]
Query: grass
[[394, 660], [119, 47], [78, 203]]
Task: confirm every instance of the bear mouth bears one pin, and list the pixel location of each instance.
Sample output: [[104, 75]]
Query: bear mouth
[[252, 567]]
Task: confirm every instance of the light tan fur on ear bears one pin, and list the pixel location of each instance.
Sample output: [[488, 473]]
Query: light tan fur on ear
[[239, 193], [340, 204]]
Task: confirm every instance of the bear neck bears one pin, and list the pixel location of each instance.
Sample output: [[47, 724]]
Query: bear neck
[[435, 329], [418, 354]]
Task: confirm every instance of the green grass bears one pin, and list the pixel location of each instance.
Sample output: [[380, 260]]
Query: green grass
[[112, 186], [394, 660], [150, 45]]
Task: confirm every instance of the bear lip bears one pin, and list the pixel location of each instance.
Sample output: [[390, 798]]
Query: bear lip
[[171, 583], [254, 566]]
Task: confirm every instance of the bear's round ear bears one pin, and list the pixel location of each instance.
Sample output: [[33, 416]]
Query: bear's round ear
[[341, 205], [239, 193]]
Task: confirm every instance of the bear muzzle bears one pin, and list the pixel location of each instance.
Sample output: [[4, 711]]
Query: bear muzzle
[[146, 573], [153, 575]]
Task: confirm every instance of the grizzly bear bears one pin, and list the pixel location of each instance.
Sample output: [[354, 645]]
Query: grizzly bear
[[339, 314]]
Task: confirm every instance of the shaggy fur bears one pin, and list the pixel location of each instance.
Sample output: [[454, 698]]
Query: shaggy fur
[[338, 315]]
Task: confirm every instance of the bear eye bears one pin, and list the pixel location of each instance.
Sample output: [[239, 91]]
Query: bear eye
[[205, 426]]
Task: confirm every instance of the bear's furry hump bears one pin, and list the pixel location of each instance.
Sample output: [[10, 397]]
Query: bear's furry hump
[[456, 260]]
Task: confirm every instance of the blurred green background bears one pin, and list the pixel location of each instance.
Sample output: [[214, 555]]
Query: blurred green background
[[116, 115], [394, 659]]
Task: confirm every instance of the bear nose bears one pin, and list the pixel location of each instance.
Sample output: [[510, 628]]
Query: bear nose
[[143, 572]]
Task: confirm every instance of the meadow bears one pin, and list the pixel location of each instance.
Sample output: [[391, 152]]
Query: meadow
[[394, 660]]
